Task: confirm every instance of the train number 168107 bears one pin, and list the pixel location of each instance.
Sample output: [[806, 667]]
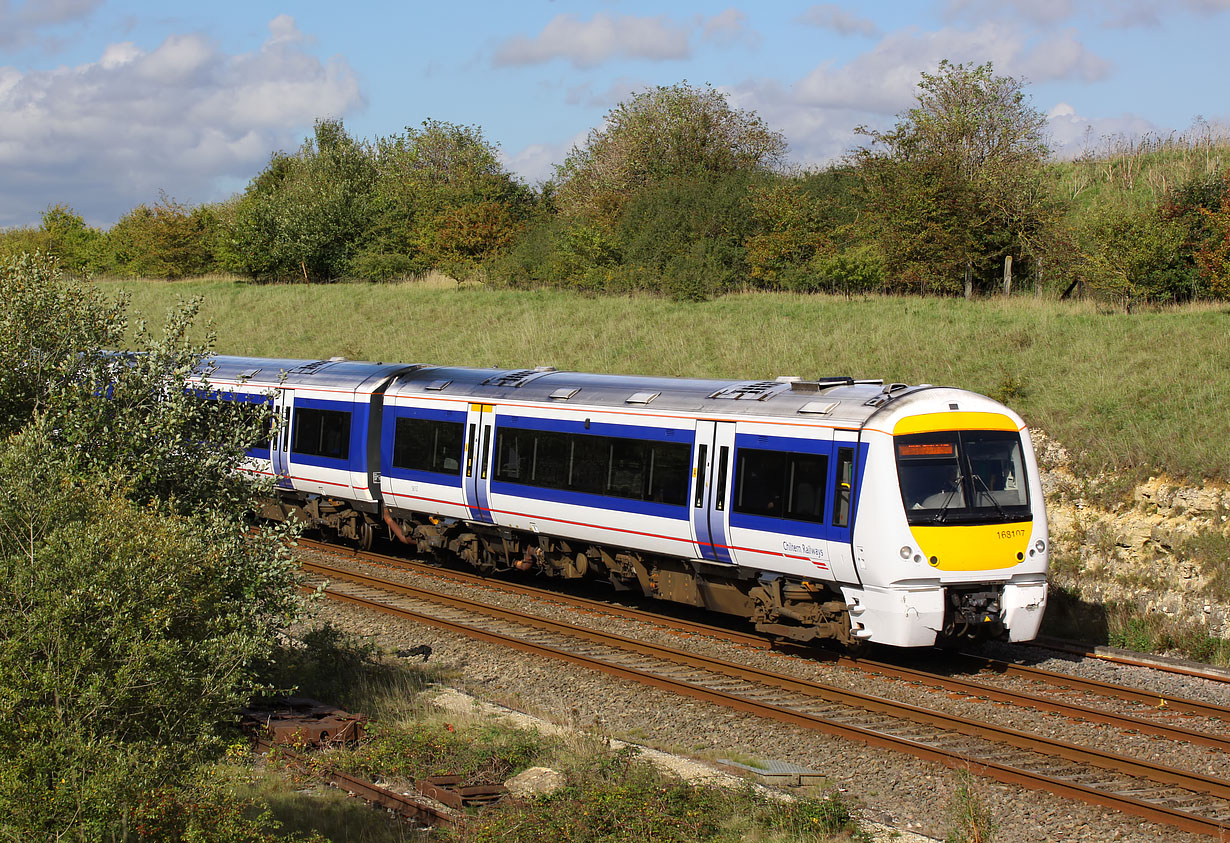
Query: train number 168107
[[1010, 534]]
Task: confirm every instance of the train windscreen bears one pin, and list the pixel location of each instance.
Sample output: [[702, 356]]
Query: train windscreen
[[962, 477]]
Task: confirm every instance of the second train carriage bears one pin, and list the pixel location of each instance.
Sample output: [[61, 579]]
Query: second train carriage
[[818, 509]]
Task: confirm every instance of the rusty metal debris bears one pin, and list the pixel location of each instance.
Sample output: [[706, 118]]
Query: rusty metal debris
[[402, 804], [300, 721], [448, 790]]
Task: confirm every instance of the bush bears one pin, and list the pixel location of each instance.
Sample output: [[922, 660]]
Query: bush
[[1134, 253], [168, 240], [134, 602]]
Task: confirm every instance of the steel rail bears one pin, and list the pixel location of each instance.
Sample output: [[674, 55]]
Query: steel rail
[[973, 688], [1178, 705], [1182, 667], [749, 639], [1033, 743]]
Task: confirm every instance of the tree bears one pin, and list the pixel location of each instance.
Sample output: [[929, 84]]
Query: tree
[[442, 200], [799, 221], [303, 217], [957, 182], [669, 132], [135, 605], [65, 235], [167, 240]]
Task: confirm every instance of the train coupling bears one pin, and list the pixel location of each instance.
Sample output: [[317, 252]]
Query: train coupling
[[974, 612]]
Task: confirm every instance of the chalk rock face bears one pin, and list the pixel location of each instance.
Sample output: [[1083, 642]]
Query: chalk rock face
[[536, 781]]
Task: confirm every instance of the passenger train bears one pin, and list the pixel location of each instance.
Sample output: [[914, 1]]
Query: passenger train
[[818, 509]]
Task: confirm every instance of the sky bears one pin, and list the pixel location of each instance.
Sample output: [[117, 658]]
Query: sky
[[107, 105]]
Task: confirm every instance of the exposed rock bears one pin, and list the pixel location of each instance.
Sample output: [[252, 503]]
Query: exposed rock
[[536, 781], [1136, 553]]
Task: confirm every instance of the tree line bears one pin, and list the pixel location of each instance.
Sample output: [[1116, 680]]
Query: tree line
[[678, 193]]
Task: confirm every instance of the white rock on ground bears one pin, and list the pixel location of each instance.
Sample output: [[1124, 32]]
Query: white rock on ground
[[687, 769]]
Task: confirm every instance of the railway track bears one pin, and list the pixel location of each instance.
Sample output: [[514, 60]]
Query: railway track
[[1184, 799], [1137, 710]]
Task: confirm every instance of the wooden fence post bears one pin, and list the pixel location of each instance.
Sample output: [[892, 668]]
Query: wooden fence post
[[1008, 275]]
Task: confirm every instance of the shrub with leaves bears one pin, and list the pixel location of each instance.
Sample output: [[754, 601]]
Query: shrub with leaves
[[135, 607]]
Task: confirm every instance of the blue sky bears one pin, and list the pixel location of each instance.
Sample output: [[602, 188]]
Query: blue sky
[[105, 104]]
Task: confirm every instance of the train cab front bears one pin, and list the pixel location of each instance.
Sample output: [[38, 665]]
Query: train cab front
[[962, 550]]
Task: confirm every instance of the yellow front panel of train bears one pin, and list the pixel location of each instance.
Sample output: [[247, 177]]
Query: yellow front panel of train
[[936, 422], [977, 547]]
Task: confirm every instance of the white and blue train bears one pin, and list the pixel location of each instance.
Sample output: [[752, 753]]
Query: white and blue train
[[831, 508]]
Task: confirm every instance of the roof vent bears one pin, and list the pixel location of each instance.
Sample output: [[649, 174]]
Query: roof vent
[[565, 392], [544, 369], [888, 393], [788, 379], [820, 383], [755, 390], [819, 408], [641, 397], [247, 374], [337, 359], [436, 386]]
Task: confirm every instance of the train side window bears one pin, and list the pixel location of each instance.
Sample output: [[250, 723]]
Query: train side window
[[719, 497], [428, 445], [625, 477], [844, 491], [597, 465], [321, 433], [667, 475], [702, 453], [780, 484]]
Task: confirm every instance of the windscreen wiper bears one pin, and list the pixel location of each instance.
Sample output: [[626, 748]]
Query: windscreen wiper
[[943, 513], [990, 495]]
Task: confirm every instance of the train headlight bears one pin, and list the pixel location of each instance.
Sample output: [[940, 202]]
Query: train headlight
[[906, 552], [1040, 545]]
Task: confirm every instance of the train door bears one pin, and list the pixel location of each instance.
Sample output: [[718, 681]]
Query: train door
[[279, 447], [479, 433], [843, 472], [712, 467]]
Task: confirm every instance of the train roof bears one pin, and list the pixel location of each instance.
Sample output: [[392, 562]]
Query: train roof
[[829, 398], [333, 373]]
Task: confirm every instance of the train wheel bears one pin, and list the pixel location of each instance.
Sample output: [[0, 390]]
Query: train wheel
[[366, 535]]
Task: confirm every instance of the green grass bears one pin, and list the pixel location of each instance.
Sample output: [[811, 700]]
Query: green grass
[[610, 796], [1137, 394]]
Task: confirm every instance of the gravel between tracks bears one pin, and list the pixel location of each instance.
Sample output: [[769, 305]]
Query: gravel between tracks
[[897, 790]]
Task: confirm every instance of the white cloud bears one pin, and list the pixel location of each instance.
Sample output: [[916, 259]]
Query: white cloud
[[20, 25], [883, 80], [604, 37], [833, 17], [1115, 14], [1040, 12], [1062, 57], [536, 162], [43, 12], [818, 112], [184, 117], [728, 27], [1073, 134]]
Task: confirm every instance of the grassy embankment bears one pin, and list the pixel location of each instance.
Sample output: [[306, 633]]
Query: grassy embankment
[[1129, 394]]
